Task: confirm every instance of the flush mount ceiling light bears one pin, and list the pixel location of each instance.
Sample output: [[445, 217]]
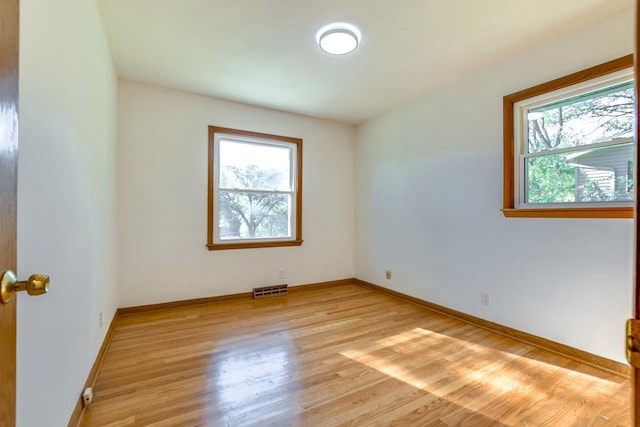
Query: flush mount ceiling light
[[339, 38]]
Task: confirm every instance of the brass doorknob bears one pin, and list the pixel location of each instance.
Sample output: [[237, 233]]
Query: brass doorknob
[[36, 284]]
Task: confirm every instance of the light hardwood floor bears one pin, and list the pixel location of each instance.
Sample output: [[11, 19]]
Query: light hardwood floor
[[341, 356]]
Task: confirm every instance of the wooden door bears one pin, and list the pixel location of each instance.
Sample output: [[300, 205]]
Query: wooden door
[[635, 368], [8, 192]]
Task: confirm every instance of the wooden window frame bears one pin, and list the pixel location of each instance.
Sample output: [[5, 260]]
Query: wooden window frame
[[509, 209], [297, 238]]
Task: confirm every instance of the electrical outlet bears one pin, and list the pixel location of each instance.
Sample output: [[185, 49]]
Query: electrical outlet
[[484, 299], [388, 274], [87, 396], [282, 274], [100, 320]]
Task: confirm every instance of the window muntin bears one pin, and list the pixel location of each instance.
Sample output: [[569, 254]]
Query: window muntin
[[571, 141], [254, 194]]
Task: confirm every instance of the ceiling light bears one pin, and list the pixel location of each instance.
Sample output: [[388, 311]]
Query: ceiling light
[[338, 38]]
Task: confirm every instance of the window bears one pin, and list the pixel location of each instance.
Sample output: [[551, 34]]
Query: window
[[255, 190], [569, 145]]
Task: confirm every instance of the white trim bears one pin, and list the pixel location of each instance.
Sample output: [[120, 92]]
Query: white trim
[[614, 204], [244, 190], [586, 147], [251, 140], [255, 240]]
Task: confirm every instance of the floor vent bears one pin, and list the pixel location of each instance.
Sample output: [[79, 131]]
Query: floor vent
[[270, 291]]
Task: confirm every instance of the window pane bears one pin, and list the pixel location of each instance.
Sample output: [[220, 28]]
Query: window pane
[[247, 166], [549, 180], [245, 215], [597, 116], [592, 175]]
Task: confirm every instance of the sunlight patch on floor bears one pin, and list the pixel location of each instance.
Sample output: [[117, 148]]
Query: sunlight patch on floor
[[474, 366]]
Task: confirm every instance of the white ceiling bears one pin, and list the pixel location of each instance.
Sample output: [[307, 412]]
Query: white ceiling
[[263, 52]]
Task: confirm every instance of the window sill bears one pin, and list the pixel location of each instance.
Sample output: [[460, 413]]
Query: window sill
[[252, 245], [610, 212]]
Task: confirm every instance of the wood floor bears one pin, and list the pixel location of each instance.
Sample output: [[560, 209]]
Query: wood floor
[[341, 356]]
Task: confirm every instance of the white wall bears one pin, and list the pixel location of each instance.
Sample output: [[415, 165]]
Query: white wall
[[429, 193], [66, 203], [162, 199]]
